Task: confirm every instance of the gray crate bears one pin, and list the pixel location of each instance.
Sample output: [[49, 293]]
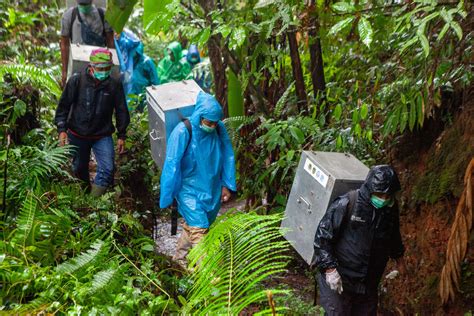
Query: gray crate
[[97, 3], [168, 104], [320, 178], [79, 59]]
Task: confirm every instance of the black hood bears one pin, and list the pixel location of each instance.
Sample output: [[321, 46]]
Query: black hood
[[383, 179]]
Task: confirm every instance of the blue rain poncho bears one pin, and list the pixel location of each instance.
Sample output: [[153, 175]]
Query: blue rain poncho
[[194, 175], [144, 71]]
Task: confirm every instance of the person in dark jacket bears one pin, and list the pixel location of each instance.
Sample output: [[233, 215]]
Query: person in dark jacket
[[354, 243], [84, 117]]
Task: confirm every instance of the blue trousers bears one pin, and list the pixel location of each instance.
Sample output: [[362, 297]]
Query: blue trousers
[[104, 154]]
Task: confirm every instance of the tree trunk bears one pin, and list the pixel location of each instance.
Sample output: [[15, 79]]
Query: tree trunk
[[214, 46], [316, 55], [297, 71], [219, 75]]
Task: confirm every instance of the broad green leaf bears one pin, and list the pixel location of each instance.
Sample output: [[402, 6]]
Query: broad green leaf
[[369, 135], [455, 26], [365, 31], [423, 40], [235, 97], [118, 12], [148, 247], [358, 130], [443, 31], [238, 37], [204, 36], [154, 13], [224, 29], [412, 118], [429, 17], [339, 142], [19, 108], [297, 134], [403, 118], [343, 7], [336, 28], [337, 112], [355, 116], [364, 111]]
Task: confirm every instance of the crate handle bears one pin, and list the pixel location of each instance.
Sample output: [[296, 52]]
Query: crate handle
[[153, 131], [303, 200]]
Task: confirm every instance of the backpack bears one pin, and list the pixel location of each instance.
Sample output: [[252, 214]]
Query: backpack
[[353, 194], [88, 36]]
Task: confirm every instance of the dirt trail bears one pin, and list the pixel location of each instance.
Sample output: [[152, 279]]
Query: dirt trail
[[165, 243]]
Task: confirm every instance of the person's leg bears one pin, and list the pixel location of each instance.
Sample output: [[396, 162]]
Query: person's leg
[[104, 154], [334, 304], [365, 305], [196, 234], [80, 161], [183, 246], [190, 237]]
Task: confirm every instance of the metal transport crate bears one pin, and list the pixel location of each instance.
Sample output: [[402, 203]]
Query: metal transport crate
[[320, 178], [168, 104], [79, 59]]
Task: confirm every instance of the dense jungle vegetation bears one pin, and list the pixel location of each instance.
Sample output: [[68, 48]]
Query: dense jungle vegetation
[[388, 81]]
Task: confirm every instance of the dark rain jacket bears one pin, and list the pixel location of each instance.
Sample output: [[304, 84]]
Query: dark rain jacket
[[359, 242], [86, 106]]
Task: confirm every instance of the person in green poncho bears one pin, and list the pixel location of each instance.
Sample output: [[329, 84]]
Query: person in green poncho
[[172, 68]]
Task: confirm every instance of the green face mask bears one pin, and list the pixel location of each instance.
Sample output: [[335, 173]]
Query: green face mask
[[207, 129], [84, 8], [101, 75], [379, 202]]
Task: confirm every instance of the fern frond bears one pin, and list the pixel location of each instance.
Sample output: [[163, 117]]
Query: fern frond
[[240, 251], [235, 123], [80, 262], [26, 218], [283, 100], [40, 78], [33, 167], [103, 279]]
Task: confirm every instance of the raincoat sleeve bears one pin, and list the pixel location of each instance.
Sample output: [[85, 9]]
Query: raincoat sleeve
[[397, 249], [327, 234], [154, 79], [68, 97], [228, 172], [171, 174], [163, 70]]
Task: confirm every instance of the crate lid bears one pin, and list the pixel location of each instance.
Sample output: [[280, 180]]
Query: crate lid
[[82, 53], [341, 166], [174, 95]]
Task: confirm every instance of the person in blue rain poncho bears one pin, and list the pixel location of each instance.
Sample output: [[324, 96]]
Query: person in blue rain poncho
[[139, 70], [198, 172], [144, 74]]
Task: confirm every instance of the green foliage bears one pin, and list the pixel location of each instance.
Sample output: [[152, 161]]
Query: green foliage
[[118, 12], [38, 77], [239, 251]]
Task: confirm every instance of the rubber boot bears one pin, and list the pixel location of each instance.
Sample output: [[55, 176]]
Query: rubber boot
[[98, 190]]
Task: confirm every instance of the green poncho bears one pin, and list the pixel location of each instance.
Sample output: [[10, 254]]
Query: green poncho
[[169, 70]]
